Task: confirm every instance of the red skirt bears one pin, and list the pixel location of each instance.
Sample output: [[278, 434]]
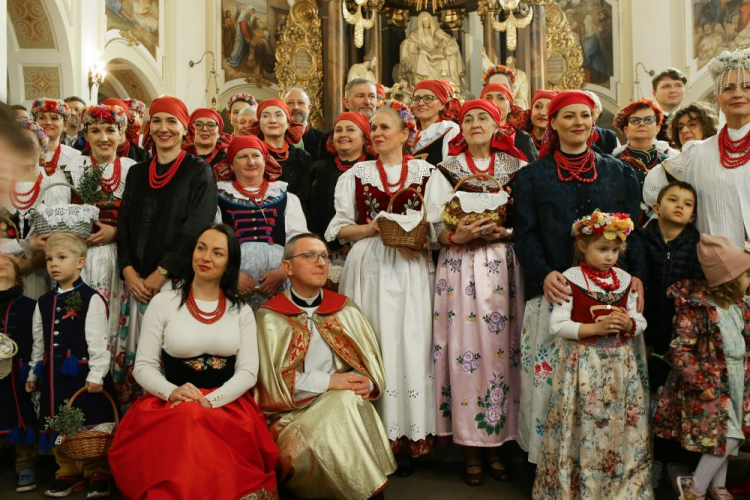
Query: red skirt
[[173, 453]]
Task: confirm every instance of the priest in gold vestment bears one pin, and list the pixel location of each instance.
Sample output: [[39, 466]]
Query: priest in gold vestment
[[320, 368]]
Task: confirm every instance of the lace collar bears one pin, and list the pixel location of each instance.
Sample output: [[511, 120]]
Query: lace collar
[[79, 165], [503, 170], [575, 276], [428, 135], [367, 173], [275, 190]]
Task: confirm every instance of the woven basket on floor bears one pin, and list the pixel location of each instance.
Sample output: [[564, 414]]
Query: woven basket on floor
[[89, 444], [9, 349], [453, 211], [394, 235], [69, 218]]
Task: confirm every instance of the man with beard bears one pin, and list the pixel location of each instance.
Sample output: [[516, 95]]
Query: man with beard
[[360, 95], [300, 106]]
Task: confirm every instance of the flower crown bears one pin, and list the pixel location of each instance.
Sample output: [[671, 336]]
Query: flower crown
[[725, 62], [136, 106], [405, 114], [46, 105], [500, 68], [242, 96], [609, 225], [103, 113], [40, 134]]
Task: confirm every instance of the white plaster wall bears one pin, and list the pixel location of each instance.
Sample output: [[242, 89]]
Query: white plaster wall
[[4, 27]]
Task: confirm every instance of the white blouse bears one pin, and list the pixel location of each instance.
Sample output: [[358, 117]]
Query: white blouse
[[78, 165], [428, 135], [172, 328]]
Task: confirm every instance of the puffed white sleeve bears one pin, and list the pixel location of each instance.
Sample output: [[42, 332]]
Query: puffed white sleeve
[[97, 338], [436, 193], [345, 205], [37, 346], [147, 368], [294, 217], [560, 323], [640, 320], [246, 364], [452, 132]]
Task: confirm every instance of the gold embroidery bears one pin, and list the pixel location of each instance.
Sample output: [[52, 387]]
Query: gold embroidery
[[297, 350]]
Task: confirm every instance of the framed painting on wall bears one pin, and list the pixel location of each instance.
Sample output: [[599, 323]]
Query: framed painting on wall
[[136, 20], [718, 25]]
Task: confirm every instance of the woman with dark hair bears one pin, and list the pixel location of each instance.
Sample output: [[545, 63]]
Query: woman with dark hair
[[198, 428], [535, 119], [206, 135], [510, 116]]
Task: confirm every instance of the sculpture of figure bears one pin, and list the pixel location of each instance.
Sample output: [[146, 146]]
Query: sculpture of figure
[[521, 90], [431, 53], [364, 69]]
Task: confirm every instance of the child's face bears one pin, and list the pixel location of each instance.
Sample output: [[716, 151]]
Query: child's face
[[744, 280], [63, 266], [676, 206], [7, 271], [601, 253]]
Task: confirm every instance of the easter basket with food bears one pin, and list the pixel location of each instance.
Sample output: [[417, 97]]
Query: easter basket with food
[[477, 205]]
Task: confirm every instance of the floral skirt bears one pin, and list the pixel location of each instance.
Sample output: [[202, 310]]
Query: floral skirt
[[597, 440], [102, 274], [477, 335]]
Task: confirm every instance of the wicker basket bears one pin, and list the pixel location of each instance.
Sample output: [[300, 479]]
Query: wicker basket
[[453, 210], [89, 444], [9, 349], [70, 218], [394, 235]]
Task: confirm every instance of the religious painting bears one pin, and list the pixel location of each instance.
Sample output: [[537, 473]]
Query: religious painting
[[591, 21], [250, 31], [718, 25], [136, 20]]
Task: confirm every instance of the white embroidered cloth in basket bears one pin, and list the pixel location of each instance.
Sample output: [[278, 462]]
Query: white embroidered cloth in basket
[[334, 273], [8, 347], [68, 214], [407, 221], [479, 202]]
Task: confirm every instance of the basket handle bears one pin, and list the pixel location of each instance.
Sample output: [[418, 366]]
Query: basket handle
[[109, 398], [478, 176], [55, 184], [421, 199]]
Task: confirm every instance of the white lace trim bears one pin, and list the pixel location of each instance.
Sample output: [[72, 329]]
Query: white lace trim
[[275, 189], [367, 173], [505, 167], [407, 221], [334, 273], [428, 135], [480, 202], [79, 165], [575, 275], [675, 166], [68, 214]]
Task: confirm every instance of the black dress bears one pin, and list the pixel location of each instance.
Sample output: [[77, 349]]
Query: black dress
[[311, 140], [296, 171], [220, 155], [525, 144]]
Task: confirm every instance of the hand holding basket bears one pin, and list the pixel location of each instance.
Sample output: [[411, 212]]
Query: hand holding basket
[[394, 236], [454, 211]]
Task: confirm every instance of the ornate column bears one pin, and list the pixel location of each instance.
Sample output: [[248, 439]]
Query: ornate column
[[334, 72], [487, 10], [538, 42], [376, 37]]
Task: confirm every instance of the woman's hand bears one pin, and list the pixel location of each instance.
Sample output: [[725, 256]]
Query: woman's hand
[[637, 285], [707, 395], [498, 233], [105, 235], [272, 281], [556, 288], [94, 388], [245, 284], [466, 232], [187, 392], [154, 282], [30, 386], [37, 242], [136, 286]]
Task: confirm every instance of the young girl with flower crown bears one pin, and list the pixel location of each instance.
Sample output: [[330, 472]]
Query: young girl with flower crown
[[597, 444]]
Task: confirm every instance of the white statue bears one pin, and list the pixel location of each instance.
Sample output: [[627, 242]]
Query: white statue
[[429, 53], [521, 92], [364, 69]]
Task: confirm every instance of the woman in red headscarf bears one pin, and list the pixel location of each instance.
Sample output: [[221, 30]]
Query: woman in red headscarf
[[510, 117], [166, 203], [280, 134], [435, 108], [129, 147], [535, 120], [263, 214], [206, 135], [477, 260], [567, 182]]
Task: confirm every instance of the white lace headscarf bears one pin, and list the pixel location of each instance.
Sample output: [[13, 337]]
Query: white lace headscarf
[[721, 65]]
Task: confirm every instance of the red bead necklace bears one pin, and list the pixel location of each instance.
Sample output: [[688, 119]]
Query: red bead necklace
[[50, 167], [157, 181], [206, 317], [124, 149], [344, 168], [739, 147], [110, 185], [597, 276], [281, 154], [476, 170], [31, 195], [257, 197], [576, 166], [399, 185]]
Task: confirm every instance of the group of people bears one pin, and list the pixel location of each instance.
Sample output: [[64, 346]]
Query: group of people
[[241, 302]]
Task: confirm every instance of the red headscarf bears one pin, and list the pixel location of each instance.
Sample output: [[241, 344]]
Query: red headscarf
[[524, 120], [380, 90], [295, 130], [444, 92], [171, 105], [223, 142], [502, 141], [551, 141], [516, 114], [362, 122], [223, 170]]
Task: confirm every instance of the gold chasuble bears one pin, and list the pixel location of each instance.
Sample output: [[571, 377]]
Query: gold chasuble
[[332, 445]]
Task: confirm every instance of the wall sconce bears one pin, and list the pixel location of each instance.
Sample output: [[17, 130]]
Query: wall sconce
[[192, 64], [637, 82], [96, 76]]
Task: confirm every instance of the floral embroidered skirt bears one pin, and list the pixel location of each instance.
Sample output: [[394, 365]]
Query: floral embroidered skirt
[[476, 334], [102, 274], [597, 440]]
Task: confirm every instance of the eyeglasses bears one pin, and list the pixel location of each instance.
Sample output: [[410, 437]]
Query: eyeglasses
[[211, 126], [312, 257], [637, 120], [427, 99]]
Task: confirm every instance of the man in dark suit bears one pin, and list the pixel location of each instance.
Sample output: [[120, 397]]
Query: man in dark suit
[[607, 141], [669, 90], [300, 106]]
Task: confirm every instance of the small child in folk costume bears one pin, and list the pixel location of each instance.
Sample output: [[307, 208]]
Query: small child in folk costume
[[18, 420], [597, 440], [705, 404], [70, 333]]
